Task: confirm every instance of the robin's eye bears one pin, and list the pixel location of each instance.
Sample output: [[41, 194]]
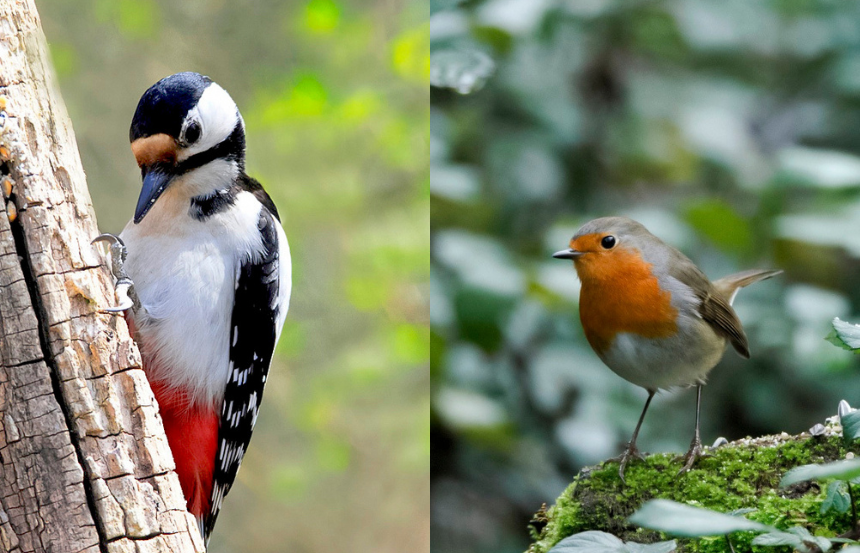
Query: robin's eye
[[192, 133], [608, 242]]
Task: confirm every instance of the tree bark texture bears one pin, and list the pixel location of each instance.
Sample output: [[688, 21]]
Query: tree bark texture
[[84, 462]]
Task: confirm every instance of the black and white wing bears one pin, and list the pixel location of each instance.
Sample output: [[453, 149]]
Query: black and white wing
[[254, 328]]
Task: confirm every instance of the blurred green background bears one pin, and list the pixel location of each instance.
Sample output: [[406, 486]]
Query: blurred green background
[[335, 98], [731, 129]]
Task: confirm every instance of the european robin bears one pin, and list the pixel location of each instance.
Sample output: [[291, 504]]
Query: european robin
[[651, 315]]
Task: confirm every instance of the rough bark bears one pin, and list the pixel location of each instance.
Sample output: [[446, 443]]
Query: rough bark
[[84, 462]]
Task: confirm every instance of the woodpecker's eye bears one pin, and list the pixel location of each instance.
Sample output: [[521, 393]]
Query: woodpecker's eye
[[192, 132], [608, 242]]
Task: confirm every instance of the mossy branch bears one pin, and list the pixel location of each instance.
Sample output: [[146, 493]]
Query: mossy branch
[[738, 475]]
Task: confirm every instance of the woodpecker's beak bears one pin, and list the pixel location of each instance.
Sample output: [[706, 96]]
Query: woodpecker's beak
[[567, 254], [155, 180], [155, 155]]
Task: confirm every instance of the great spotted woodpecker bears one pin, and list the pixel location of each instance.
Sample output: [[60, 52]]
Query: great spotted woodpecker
[[203, 275]]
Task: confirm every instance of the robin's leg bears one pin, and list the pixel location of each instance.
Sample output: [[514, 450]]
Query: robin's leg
[[632, 450], [695, 450]]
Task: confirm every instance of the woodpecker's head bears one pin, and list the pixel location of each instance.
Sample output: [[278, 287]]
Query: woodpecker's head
[[186, 129]]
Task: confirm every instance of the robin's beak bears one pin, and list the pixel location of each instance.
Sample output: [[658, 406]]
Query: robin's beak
[[567, 254], [156, 156]]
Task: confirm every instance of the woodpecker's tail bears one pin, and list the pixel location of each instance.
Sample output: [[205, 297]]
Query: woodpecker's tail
[[728, 286]]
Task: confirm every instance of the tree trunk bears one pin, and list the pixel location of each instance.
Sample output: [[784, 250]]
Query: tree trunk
[[84, 462]]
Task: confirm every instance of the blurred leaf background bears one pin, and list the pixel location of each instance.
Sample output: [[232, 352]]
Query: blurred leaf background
[[335, 99], [731, 129]]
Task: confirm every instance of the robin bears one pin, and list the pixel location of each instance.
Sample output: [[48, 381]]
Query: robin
[[651, 315]]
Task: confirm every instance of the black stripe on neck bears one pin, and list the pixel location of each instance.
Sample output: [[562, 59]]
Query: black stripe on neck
[[203, 207]]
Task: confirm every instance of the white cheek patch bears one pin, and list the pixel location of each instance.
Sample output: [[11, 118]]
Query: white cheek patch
[[218, 115], [218, 174]]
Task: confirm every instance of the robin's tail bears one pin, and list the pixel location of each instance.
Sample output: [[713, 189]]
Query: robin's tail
[[729, 285]]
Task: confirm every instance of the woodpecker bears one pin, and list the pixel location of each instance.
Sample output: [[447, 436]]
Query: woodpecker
[[203, 276]]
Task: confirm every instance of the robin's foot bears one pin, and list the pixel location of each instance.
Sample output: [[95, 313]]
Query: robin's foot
[[695, 452], [632, 452], [125, 294]]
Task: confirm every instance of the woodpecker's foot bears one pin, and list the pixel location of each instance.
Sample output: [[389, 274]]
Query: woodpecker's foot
[[631, 452], [125, 294], [695, 452]]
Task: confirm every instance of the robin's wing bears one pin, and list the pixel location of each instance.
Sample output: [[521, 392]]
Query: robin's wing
[[714, 307]]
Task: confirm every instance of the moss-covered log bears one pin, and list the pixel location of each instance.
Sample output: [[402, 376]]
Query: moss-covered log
[[742, 474]]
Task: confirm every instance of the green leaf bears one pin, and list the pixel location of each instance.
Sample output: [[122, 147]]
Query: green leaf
[[841, 470], [659, 547], [721, 224], [594, 541], [837, 498], [810, 543], [743, 511], [777, 538], [590, 542], [845, 335], [850, 425], [322, 16], [796, 537], [463, 70], [691, 522]]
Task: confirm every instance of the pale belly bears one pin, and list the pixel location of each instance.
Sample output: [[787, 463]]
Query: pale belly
[[185, 273], [186, 291], [661, 363]]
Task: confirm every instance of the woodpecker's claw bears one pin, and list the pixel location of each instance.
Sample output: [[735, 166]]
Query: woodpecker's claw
[[122, 295], [125, 294]]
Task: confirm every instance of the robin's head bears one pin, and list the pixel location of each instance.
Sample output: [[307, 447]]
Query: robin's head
[[609, 245]]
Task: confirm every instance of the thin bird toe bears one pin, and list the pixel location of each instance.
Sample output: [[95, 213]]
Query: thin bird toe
[[695, 453]]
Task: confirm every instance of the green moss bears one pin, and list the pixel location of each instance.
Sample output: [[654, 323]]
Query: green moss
[[738, 475]]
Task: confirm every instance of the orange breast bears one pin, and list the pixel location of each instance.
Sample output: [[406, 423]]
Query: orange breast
[[621, 294]]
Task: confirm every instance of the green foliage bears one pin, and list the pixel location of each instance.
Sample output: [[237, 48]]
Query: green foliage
[[688, 521], [837, 499], [845, 335], [137, 19], [602, 542], [796, 537], [837, 470], [850, 425], [693, 522], [322, 16], [741, 479], [722, 225], [685, 521]]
